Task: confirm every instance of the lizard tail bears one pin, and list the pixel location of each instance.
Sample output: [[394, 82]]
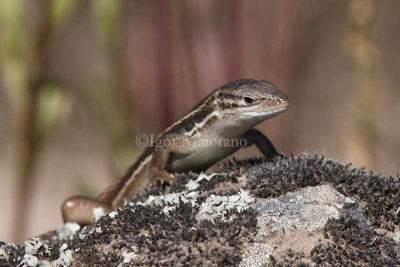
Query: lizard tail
[[81, 209]]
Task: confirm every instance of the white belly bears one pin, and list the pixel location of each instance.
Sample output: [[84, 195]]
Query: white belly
[[202, 156]]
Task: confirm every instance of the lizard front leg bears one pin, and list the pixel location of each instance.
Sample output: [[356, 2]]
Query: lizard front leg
[[164, 155], [158, 173], [262, 142]]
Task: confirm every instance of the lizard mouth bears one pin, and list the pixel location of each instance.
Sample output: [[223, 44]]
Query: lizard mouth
[[263, 114], [278, 110]]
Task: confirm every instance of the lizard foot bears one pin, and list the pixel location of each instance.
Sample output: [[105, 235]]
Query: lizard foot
[[162, 178]]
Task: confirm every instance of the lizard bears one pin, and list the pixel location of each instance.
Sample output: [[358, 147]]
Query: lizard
[[193, 143]]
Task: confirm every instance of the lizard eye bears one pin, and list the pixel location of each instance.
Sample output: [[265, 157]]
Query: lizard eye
[[249, 100]]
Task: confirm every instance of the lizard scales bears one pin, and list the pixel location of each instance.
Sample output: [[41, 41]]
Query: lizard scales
[[227, 113]]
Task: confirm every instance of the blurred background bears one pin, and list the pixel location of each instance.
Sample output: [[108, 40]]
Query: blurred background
[[80, 79]]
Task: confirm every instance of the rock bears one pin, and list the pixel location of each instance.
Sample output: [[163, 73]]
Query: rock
[[300, 211]]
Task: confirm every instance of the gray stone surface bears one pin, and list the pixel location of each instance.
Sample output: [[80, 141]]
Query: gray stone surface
[[303, 211]]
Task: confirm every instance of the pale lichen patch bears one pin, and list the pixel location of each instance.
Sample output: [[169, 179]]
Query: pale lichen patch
[[216, 205], [304, 212], [98, 213]]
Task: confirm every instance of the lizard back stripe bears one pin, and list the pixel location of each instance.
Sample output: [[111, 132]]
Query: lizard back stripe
[[110, 194], [195, 116]]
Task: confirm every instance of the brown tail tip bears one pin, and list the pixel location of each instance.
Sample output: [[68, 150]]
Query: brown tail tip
[[80, 209]]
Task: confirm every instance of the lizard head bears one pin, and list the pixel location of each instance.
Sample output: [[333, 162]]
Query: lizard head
[[251, 100]]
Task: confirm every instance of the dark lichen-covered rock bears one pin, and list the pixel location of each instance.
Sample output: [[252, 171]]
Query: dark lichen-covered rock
[[351, 245], [381, 193], [300, 211]]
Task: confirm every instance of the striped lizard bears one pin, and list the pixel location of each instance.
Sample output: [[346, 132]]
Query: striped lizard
[[200, 138]]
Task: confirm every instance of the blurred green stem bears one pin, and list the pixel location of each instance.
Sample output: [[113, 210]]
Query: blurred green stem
[[28, 137], [360, 47], [162, 37]]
